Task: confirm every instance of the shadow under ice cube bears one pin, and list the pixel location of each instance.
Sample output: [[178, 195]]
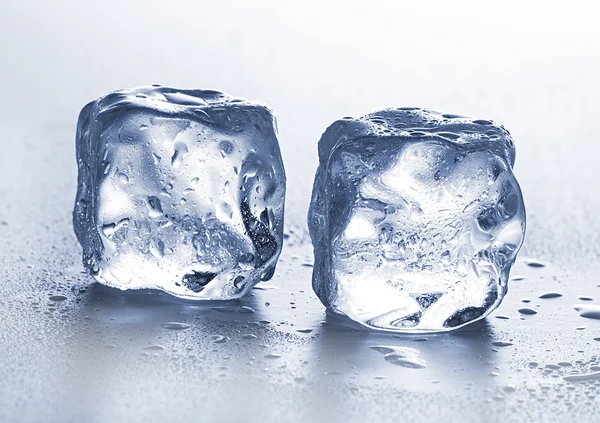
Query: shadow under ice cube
[[179, 190], [416, 219]]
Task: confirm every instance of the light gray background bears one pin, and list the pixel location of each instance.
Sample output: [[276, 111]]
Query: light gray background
[[532, 66]]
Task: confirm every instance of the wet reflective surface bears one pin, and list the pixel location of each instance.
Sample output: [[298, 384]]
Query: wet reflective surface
[[76, 351]]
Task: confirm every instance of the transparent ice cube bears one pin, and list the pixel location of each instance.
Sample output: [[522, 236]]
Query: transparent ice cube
[[416, 219], [179, 190]]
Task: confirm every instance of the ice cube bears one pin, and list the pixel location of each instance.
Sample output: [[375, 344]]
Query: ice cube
[[179, 190], [416, 219]]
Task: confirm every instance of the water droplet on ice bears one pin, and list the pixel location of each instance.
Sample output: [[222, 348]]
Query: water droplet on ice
[[157, 248], [527, 311], [154, 207], [226, 147], [181, 149], [123, 179]]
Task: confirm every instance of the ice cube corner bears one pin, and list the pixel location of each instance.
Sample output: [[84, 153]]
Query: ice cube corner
[[179, 190], [416, 219]]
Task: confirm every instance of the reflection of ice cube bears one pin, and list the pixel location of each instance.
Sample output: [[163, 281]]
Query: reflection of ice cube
[[179, 190], [416, 219]]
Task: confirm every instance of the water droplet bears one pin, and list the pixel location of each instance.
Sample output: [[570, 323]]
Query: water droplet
[[501, 344], [273, 356], [226, 147], [548, 295], [154, 207], [154, 348], [527, 311], [219, 339], [157, 248], [176, 326], [534, 263], [263, 287], [582, 377], [304, 330], [509, 388], [181, 149], [233, 309], [590, 311], [249, 336], [401, 356], [57, 298], [584, 298], [184, 99], [123, 179], [502, 317]]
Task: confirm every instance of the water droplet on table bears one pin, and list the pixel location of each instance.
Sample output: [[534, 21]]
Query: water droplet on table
[[401, 356], [176, 326], [249, 336], [501, 344], [233, 309], [549, 295], [582, 377], [219, 339], [272, 356], [57, 298], [591, 311], [154, 348]]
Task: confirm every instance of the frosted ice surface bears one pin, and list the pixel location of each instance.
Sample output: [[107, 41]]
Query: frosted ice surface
[[416, 219], [179, 190]]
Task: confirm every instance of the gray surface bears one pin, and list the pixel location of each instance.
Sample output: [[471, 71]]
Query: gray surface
[[83, 359]]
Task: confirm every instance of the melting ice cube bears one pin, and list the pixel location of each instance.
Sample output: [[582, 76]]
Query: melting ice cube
[[179, 190], [416, 219]]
